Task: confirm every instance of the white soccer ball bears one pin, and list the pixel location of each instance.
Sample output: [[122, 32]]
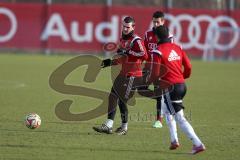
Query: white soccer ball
[[32, 121]]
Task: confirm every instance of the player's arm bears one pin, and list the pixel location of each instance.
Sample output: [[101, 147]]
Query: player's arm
[[187, 65], [118, 59], [146, 42], [106, 63], [138, 49], [156, 63], [145, 69]]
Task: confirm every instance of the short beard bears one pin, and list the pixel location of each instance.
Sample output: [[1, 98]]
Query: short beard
[[127, 36]]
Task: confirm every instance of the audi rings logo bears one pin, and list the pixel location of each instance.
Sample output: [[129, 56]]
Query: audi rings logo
[[212, 34], [8, 13]]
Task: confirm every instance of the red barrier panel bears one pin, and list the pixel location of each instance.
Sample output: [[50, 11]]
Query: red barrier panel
[[87, 27]]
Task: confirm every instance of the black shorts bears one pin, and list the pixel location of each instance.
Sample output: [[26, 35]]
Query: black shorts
[[173, 98]]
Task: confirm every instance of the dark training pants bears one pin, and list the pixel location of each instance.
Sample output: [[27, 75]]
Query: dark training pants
[[146, 92], [123, 89]]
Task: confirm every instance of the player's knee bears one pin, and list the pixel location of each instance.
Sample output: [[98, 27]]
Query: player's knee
[[169, 119], [179, 117]]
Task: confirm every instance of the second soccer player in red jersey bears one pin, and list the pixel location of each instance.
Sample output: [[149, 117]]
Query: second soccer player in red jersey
[[178, 69]]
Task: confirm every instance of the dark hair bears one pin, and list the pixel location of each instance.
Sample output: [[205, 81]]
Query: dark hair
[[158, 14], [162, 32], [129, 19]]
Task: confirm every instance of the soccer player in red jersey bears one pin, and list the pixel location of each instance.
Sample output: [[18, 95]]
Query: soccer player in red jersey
[[152, 65], [178, 69], [132, 53]]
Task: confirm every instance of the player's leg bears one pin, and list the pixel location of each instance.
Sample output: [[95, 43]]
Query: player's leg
[[158, 93], [132, 84], [122, 130], [171, 123], [107, 126], [146, 92], [186, 127], [143, 87], [176, 97], [112, 108], [158, 107], [160, 87], [158, 122], [113, 98]]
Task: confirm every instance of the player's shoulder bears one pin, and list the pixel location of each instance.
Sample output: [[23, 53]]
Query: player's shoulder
[[177, 46], [167, 46], [135, 38]]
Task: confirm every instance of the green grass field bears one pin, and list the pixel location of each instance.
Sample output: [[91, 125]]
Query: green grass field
[[212, 106]]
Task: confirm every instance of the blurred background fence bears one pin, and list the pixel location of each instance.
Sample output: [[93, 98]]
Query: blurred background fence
[[205, 29], [203, 4]]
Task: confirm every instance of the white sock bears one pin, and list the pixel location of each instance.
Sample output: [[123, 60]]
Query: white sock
[[124, 126], [109, 123], [172, 127], [187, 128]]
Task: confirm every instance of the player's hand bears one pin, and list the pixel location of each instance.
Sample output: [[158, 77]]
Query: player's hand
[[106, 63], [122, 52]]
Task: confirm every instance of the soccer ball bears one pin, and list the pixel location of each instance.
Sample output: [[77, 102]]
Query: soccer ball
[[32, 121]]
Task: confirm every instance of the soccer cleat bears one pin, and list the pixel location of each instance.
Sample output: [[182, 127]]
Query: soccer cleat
[[103, 129], [157, 124], [174, 145], [197, 149], [120, 131]]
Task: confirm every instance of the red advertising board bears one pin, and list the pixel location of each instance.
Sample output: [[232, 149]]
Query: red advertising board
[[82, 28]]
